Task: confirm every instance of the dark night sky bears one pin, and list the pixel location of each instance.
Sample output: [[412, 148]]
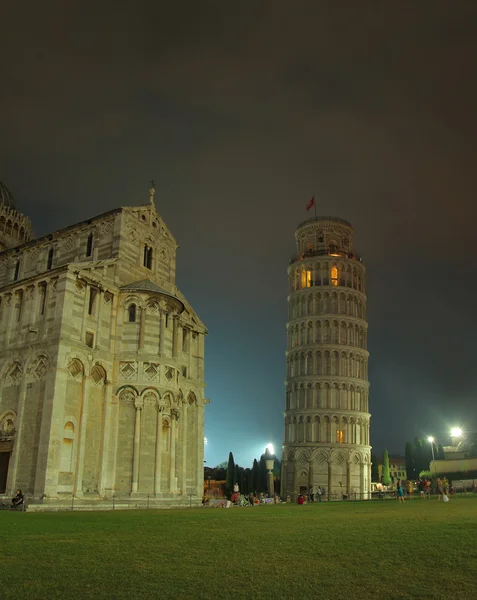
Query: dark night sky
[[240, 111]]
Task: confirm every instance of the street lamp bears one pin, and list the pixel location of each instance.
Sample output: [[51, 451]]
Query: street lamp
[[430, 439], [456, 432], [269, 465]]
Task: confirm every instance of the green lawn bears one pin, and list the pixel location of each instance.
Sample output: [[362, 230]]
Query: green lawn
[[420, 549]]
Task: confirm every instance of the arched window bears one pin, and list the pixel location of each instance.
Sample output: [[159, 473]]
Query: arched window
[[147, 256], [67, 448], [50, 259], [305, 277], [17, 271], [334, 275], [132, 313], [89, 245]]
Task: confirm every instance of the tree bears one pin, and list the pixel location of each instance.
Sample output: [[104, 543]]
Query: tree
[[374, 468], [410, 460], [229, 479], [262, 477], [386, 476], [255, 476]]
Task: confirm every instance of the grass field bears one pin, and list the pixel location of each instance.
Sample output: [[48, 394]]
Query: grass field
[[420, 549]]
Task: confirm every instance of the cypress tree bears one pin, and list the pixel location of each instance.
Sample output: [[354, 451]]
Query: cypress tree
[[241, 480], [262, 477], [255, 476], [386, 476], [410, 460], [374, 468], [229, 479]]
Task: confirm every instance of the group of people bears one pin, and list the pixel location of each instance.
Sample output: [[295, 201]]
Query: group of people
[[426, 487]]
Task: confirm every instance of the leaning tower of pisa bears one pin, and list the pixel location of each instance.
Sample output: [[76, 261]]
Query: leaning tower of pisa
[[326, 418]]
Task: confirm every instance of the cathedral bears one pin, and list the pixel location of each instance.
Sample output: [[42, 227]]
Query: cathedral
[[326, 442], [101, 361]]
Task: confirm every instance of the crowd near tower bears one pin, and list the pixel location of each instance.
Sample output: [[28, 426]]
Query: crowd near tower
[[101, 361], [326, 441]]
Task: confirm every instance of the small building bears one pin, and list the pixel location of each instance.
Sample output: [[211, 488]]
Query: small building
[[397, 469]]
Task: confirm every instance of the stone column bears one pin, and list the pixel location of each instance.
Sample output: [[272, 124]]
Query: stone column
[[367, 483], [310, 474], [175, 332], [330, 479], [142, 327], [162, 333], [172, 465], [348, 478], [184, 448], [158, 462], [103, 475], [199, 457], [10, 303], [13, 466], [114, 440], [179, 338], [78, 487], [138, 405], [362, 489], [99, 304]]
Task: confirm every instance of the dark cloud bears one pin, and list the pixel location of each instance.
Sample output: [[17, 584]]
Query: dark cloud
[[240, 112]]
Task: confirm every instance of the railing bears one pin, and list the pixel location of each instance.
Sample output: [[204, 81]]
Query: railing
[[315, 219], [325, 252]]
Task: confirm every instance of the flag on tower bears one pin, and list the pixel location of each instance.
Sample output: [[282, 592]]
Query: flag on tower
[[310, 203]]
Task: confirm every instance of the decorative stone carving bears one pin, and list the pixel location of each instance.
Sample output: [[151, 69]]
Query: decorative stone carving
[[75, 368], [127, 397], [69, 243], [108, 297], [106, 228], [151, 370], [40, 367], [14, 373], [150, 399], [128, 370], [133, 235], [153, 307]]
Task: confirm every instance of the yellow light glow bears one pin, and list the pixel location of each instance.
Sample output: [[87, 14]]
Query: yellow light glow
[[334, 275], [305, 278]]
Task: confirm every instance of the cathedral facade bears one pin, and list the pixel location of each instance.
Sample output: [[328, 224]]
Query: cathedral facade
[[101, 361], [326, 441]]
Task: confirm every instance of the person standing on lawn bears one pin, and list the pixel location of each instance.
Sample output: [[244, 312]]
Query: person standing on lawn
[[400, 490]]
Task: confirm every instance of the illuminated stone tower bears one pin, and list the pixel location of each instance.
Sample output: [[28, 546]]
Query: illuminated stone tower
[[326, 418]]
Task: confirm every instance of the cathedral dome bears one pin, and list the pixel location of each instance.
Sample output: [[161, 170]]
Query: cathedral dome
[[6, 198]]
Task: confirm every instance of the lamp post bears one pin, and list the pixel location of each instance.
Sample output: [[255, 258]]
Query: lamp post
[[430, 439], [269, 464]]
